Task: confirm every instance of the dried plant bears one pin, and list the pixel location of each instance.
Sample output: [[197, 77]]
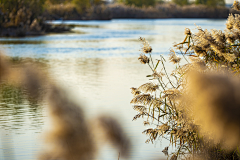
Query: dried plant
[[236, 5], [215, 96], [146, 47], [113, 133], [3, 67], [70, 136], [148, 87], [198, 113], [173, 57], [142, 99], [143, 59], [33, 81], [135, 92]]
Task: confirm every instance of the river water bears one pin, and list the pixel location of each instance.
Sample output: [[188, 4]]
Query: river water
[[98, 65]]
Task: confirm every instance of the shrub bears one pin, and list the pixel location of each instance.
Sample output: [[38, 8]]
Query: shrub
[[81, 5], [23, 12], [58, 1], [211, 3], [181, 2], [61, 11]]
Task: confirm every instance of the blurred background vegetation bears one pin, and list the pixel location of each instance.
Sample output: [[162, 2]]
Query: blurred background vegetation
[[209, 3], [29, 15], [139, 3], [19, 12]]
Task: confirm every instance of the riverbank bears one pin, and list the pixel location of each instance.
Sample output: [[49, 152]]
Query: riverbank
[[45, 28], [121, 11]]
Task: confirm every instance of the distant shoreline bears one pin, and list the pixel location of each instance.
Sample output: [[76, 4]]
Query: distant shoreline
[[47, 28], [120, 11], [109, 12]]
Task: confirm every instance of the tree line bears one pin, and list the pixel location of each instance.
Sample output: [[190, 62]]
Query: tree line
[[140, 3], [21, 13]]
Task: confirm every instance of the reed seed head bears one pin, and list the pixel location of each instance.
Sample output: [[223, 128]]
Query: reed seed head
[[135, 92], [231, 37], [146, 47], [148, 87], [219, 36], [145, 123], [173, 57], [158, 75], [142, 99], [236, 5], [70, 137], [230, 22], [34, 83], [140, 108], [143, 59], [199, 50], [115, 134], [187, 32], [171, 93]]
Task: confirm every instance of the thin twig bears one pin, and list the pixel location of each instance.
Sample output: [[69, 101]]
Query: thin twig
[[184, 56], [167, 75], [157, 78], [151, 60]]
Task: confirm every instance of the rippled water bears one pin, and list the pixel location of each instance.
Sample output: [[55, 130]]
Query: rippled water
[[97, 64]]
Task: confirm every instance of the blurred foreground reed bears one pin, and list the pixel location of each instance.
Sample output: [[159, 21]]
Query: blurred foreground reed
[[213, 99], [71, 136]]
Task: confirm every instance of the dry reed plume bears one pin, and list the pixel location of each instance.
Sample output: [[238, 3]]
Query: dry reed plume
[[214, 101], [3, 67], [113, 133], [27, 76], [33, 81], [69, 137]]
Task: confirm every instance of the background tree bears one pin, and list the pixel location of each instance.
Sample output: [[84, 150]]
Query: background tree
[[58, 1], [139, 3], [181, 2], [21, 12], [81, 5], [211, 3]]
